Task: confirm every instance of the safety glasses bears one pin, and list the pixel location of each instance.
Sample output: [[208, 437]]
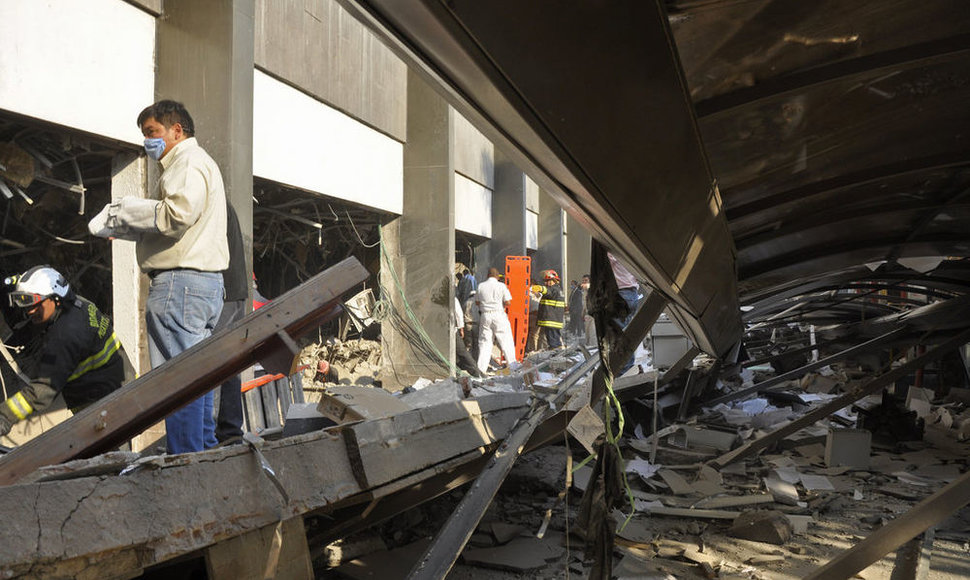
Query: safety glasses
[[24, 299]]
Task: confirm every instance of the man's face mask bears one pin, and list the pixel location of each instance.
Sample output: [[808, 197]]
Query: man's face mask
[[155, 146]]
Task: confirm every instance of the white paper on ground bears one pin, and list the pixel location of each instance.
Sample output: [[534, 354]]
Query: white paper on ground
[[642, 467]]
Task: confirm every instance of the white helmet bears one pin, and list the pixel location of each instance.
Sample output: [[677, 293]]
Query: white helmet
[[37, 284]]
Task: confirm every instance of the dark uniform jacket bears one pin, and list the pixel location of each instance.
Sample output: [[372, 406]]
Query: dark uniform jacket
[[552, 307], [76, 353]]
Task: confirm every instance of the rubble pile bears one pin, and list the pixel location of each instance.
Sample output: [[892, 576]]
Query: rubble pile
[[354, 362], [780, 514]]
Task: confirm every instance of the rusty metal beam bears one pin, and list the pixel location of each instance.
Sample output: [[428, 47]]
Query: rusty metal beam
[[128, 411]]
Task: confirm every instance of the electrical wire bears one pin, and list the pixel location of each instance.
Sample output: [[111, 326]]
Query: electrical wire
[[377, 243], [410, 328]]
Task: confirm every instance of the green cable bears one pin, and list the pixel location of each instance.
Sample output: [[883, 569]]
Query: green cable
[[614, 439], [407, 307]]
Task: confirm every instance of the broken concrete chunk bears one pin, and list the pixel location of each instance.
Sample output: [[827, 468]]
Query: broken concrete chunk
[[446, 391], [692, 436], [678, 485], [347, 404], [811, 451], [848, 447], [581, 478], [813, 383], [522, 554], [783, 491], [771, 527], [816, 482], [304, 418], [505, 533], [586, 426]]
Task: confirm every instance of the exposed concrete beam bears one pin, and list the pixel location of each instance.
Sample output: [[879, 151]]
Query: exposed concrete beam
[[141, 515]]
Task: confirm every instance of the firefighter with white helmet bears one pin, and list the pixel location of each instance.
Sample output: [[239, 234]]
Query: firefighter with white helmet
[[70, 347]]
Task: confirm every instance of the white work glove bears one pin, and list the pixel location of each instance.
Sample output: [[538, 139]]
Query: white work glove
[[125, 219]]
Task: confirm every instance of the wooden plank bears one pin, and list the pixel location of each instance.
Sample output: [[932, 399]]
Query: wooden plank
[[270, 401], [123, 414], [274, 551]]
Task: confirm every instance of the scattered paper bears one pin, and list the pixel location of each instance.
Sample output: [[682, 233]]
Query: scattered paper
[[642, 467]]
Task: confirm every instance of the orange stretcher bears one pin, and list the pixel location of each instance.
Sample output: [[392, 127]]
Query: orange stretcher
[[518, 277]]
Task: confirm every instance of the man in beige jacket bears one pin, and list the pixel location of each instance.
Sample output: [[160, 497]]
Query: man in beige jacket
[[181, 244]]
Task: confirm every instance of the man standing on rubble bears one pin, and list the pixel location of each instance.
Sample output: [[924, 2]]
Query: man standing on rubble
[[492, 299], [181, 244], [552, 309], [70, 346]]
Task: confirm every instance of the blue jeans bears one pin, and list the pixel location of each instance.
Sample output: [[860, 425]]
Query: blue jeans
[[183, 308], [632, 297]]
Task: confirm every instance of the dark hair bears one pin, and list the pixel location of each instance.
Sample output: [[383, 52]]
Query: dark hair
[[168, 113]]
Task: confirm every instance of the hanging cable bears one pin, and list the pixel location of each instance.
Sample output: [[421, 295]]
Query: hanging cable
[[377, 243]]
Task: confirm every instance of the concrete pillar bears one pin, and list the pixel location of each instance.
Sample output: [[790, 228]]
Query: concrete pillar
[[421, 242], [129, 287], [129, 177], [551, 251], [508, 218], [578, 243], [205, 60]]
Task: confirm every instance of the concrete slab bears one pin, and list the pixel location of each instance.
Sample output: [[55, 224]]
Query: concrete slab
[[347, 404], [848, 447], [521, 555], [771, 527]]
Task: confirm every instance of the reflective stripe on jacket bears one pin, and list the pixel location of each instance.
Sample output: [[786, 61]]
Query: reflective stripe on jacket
[[552, 307]]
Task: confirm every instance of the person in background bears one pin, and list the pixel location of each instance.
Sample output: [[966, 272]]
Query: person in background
[[589, 327], [575, 309], [466, 286], [492, 299], [532, 338], [464, 360], [629, 291], [472, 318], [229, 418], [71, 347]]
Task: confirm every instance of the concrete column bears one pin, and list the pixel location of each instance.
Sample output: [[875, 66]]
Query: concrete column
[[130, 177], [205, 60], [421, 242], [508, 218], [551, 252], [578, 243]]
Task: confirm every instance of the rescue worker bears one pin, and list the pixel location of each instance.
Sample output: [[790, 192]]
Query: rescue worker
[[493, 298], [552, 309], [71, 345]]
